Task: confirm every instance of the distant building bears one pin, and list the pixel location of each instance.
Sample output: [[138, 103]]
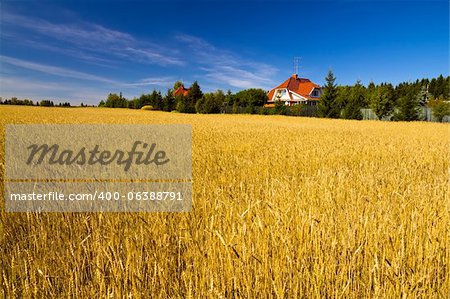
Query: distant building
[[295, 91], [181, 91]]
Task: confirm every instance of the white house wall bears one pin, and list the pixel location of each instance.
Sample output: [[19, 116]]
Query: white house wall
[[285, 97], [297, 97]]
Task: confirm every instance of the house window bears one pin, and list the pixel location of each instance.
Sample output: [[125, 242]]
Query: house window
[[315, 93], [280, 93]]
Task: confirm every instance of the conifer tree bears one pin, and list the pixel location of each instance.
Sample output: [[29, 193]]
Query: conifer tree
[[352, 109], [328, 106], [408, 107], [382, 100]]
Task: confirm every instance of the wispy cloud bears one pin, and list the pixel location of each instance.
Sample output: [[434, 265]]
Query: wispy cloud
[[147, 54], [226, 67], [54, 70], [74, 90], [85, 33], [89, 42], [92, 58], [68, 73], [38, 90], [156, 81], [95, 39]]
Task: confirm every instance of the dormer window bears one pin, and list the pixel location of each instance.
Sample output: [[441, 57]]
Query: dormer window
[[280, 93], [315, 93]]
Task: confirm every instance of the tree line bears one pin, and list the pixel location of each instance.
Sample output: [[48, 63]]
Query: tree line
[[27, 102], [245, 101], [399, 103]]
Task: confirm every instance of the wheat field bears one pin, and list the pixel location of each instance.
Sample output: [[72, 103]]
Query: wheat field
[[283, 207]]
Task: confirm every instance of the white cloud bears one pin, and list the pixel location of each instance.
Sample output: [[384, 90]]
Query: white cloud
[[54, 70], [94, 40], [25, 88], [156, 81], [92, 58], [68, 73], [225, 67], [75, 92], [211, 66]]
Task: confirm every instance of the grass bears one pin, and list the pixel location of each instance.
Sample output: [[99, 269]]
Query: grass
[[283, 207]]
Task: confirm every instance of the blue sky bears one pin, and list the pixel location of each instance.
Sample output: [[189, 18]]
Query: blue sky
[[81, 50]]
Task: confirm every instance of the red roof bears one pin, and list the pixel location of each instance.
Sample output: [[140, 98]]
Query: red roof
[[300, 86], [181, 91]]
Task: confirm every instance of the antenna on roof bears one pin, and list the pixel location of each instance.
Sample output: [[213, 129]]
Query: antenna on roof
[[296, 64]]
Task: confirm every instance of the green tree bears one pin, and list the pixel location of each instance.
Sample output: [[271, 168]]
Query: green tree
[[168, 101], [195, 92], [156, 100], [200, 105], [382, 100], [250, 109], [216, 105], [16, 101], [408, 107], [132, 103], [187, 104], [235, 108], [280, 108], [210, 102], [440, 88], [423, 95], [177, 84], [115, 101], [371, 88], [297, 110], [46, 103], [328, 105], [252, 97], [440, 108], [142, 101], [356, 99], [343, 97]]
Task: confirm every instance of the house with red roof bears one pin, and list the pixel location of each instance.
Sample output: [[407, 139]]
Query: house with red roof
[[181, 90], [293, 91]]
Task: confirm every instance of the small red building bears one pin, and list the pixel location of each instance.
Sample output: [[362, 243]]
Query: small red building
[[181, 91]]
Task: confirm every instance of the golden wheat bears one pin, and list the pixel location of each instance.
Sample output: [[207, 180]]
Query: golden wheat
[[283, 207]]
